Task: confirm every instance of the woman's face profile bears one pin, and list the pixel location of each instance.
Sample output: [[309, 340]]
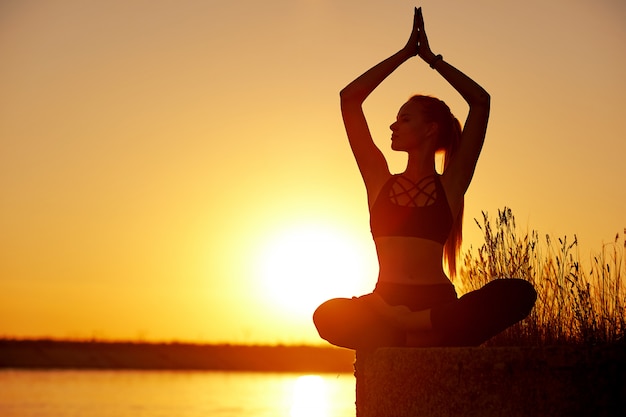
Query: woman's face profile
[[410, 127]]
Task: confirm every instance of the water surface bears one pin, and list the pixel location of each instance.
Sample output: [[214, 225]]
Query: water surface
[[55, 393]]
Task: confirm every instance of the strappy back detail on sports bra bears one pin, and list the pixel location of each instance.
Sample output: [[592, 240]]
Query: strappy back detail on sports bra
[[404, 208]]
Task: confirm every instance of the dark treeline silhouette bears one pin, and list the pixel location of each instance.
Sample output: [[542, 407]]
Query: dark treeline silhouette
[[59, 354]]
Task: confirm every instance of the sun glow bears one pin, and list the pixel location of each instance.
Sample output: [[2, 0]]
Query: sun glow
[[303, 266], [310, 397]]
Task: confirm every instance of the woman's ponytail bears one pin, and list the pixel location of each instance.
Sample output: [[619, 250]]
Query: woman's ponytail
[[437, 111]]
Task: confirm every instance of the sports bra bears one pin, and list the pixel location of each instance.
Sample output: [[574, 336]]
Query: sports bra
[[418, 210]]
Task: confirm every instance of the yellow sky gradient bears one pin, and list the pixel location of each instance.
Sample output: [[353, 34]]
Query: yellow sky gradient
[[155, 154]]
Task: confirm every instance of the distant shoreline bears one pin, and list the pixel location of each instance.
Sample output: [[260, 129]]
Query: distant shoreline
[[60, 354]]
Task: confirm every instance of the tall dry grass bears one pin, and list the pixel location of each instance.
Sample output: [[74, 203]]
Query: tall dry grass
[[579, 302]]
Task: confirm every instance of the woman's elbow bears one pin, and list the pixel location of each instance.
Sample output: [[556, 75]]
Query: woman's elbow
[[345, 97], [351, 96], [480, 103], [483, 100]]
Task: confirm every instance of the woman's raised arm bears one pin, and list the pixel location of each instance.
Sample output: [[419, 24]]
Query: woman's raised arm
[[369, 158]]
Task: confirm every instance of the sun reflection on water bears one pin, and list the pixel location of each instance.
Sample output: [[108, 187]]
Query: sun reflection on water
[[310, 397]]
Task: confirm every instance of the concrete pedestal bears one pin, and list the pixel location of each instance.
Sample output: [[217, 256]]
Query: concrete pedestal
[[485, 382]]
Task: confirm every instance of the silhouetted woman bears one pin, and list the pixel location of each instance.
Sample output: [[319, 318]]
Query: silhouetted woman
[[416, 220]]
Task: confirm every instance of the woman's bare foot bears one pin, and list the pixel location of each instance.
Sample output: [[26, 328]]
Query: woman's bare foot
[[397, 316]]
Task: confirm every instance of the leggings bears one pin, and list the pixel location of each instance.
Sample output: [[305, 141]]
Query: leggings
[[467, 321]]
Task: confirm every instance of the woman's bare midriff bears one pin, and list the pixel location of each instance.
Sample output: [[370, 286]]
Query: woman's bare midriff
[[410, 260]]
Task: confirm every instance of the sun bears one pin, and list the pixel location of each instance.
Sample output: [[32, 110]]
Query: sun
[[302, 266]]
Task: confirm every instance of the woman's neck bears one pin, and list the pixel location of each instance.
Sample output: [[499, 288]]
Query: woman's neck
[[419, 166]]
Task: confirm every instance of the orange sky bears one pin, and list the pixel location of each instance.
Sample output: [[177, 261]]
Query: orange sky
[[166, 166]]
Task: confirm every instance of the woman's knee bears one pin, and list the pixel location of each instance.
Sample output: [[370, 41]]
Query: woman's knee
[[528, 291], [326, 316], [518, 293], [351, 324], [525, 292], [320, 317]]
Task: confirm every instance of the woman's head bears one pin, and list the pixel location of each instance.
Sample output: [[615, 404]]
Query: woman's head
[[447, 129]]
